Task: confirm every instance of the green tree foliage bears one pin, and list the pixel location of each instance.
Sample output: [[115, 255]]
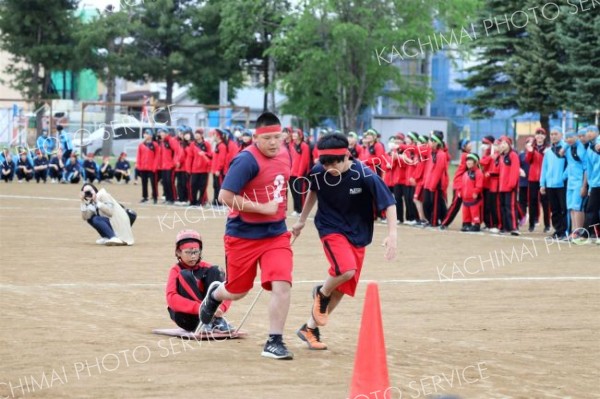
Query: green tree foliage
[[39, 36], [494, 49], [580, 37], [535, 66], [329, 53], [247, 30]]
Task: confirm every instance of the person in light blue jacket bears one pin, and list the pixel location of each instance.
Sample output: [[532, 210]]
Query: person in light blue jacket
[[552, 182], [576, 157], [66, 144], [592, 180], [46, 144]]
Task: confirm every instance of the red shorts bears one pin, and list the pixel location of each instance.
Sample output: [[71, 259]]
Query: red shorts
[[343, 257], [418, 192], [243, 256]]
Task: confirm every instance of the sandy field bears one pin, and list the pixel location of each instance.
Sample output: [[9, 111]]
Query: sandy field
[[465, 315]]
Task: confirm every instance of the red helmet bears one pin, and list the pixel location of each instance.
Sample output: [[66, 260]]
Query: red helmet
[[188, 235]]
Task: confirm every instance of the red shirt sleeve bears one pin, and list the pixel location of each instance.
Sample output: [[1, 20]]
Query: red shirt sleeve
[[175, 301], [478, 181]]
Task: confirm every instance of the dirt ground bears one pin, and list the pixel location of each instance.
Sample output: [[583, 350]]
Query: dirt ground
[[475, 316]]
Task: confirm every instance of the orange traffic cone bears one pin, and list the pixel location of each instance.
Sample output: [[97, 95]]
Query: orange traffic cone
[[370, 364]]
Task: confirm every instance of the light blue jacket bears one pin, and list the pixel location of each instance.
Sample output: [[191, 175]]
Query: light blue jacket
[[575, 167], [592, 166], [46, 144], [553, 167]]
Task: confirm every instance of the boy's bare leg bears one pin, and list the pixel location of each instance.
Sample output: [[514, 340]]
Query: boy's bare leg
[[221, 294], [331, 283], [578, 219], [279, 306], [420, 210]]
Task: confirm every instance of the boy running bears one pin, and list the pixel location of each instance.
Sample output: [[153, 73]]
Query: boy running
[[255, 191], [347, 192]]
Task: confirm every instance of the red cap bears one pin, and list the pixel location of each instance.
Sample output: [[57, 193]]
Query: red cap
[[541, 130], [400, 136]]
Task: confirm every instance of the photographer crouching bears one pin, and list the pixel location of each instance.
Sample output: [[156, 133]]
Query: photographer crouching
[[106, 216]]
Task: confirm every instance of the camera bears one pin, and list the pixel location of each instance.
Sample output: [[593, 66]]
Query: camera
[[88, 195]]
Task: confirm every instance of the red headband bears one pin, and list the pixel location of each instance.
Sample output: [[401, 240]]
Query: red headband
[[268, 129], [333, 151], [188, 245]]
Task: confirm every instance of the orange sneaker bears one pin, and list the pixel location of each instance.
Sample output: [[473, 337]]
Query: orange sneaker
[[312, 337], [319, 311]]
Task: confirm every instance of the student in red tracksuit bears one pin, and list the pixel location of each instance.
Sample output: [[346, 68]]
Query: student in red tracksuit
[[188, 281], [218, 163], [491, 171], [410, 160], [510, 167], [300, 153], [314, 151], [471, 190], [354, 148], [422, 154], [232, 150], [394, 170], [199, 158], [145, 163], [169, 152], [400, 181], [436, 175], [373, 152], [181, 171], [464, 147], [534, 155]]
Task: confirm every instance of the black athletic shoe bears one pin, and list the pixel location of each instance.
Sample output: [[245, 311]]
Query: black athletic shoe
[[546, 229], [276, 349], [475, 228], [515, 233], [209, 304], [143, 200], [531, 229], [443, 227], [219, 324]]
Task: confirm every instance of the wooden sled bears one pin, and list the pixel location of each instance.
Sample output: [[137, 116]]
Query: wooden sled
[[203, 336]]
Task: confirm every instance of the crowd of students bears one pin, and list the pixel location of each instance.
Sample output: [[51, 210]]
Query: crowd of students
[[497, 189], [553, 179]]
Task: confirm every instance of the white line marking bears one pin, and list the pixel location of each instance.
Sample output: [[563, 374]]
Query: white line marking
[[12, 287], [38, 198]]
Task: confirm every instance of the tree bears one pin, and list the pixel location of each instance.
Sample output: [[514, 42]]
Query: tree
[[580, 37], [329, 53], [247, 29], [535, 67], [216, 65], [103, 48], [39, 36], [494, 87]]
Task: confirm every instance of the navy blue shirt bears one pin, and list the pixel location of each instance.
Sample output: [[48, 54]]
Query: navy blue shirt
[[40, 162], [523, 181], [242, 169], [89, 164], [122, 165], [347, 203]]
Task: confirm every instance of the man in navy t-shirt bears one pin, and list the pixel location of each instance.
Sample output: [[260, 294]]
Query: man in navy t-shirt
[[349, 195]]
